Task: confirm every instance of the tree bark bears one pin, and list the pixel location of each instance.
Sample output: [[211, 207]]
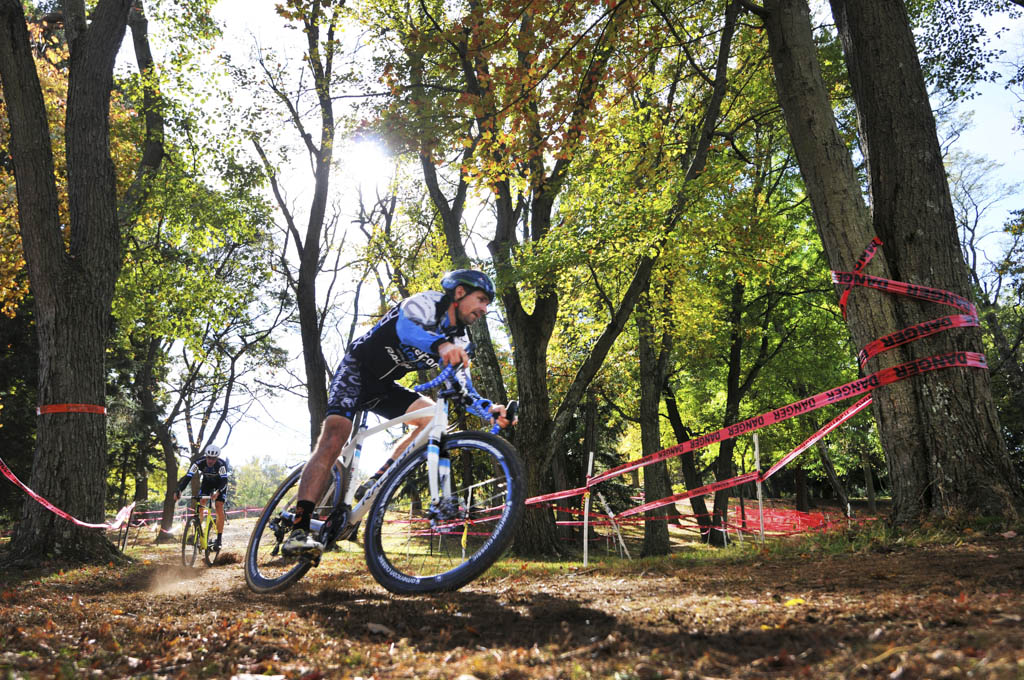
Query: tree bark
[[72, 286], [934, 467], [653, 361], [691, 477], [941, 432], [869, 481]]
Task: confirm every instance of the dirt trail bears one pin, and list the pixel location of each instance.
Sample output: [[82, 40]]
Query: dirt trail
[[943, 611]]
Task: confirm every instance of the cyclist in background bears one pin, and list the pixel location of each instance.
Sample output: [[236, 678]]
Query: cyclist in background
[[416, 334], [214, 483]]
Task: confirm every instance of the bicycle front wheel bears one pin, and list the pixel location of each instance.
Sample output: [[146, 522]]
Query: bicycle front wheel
[[212, 549], [266, 569], [408, 551], [191, 536]]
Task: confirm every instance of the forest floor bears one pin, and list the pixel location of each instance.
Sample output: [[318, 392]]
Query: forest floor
[[849, 605]]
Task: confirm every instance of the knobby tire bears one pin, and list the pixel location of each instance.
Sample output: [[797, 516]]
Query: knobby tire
[[210, 556], [407, 555], [190, 538], [266, 569]]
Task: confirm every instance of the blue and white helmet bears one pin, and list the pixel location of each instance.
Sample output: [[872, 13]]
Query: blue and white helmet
[[471, 279]]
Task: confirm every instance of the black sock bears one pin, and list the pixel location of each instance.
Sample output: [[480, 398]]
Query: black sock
[[306, 513]]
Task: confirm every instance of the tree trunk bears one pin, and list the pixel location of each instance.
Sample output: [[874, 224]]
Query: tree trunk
[[833, 478], [536, 534], [869, 481], [561, 480], [590, 444], [486, 362], [941, 431], [802, 391], [656, 482], [691, 477], [724, 468], [72, 286], [933, 466], [146, 388], [803, 499], [309, 267], [142, 476]]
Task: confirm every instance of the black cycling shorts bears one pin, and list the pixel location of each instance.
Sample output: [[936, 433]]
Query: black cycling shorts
[[351, 391]]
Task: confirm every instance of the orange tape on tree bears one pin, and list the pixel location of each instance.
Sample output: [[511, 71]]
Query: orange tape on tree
[[71, 408]]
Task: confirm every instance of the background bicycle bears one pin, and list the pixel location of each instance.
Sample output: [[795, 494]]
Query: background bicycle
[[435, 520], [195, 537]]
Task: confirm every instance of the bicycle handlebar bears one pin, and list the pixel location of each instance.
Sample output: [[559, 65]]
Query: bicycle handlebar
[[478, 405]]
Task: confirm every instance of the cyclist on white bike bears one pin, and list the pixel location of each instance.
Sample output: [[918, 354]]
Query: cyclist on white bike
[[413, 335], [213, 472]]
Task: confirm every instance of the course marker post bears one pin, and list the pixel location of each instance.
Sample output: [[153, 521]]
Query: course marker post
[[760, 499], [615, 525], [586, 512]]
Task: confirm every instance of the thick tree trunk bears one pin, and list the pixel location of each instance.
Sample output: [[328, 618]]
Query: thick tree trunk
[[934, 467], [72, 287], [536, 534], [941, 433]]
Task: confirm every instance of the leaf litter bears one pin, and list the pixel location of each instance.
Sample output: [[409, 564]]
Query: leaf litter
[[939, 611]]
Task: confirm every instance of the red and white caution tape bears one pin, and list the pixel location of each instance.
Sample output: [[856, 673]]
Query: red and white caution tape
[[863, 386], [119, 520]]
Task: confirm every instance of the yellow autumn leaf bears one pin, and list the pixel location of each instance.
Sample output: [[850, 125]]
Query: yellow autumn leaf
[[795, 601]]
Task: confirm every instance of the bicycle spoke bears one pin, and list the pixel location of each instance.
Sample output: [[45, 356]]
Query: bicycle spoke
[[416, 546], [266, 569]]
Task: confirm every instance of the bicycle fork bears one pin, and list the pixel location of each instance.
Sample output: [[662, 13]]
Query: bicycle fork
[[443, 505]]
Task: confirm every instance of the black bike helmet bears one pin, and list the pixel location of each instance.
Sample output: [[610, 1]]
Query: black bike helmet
[[471, 279]]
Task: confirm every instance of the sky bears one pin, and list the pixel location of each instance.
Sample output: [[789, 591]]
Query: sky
[[994, 133], [278, 427]]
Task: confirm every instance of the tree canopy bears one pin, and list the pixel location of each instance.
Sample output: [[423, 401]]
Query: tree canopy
[[659, 189]]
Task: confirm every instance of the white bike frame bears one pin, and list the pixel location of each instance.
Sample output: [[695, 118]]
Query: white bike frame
[[438, 469]]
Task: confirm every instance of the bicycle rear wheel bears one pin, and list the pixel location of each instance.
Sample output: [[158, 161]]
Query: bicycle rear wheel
[[266, 569], [191, 536], [407, 552]]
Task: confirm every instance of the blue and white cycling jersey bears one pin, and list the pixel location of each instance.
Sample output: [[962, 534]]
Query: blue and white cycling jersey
[[404, 340], [407, 337]]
